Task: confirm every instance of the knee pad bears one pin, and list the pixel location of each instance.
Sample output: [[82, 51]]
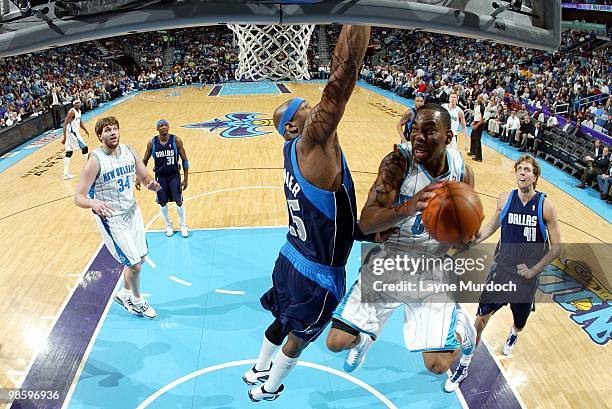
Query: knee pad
[[275, 333], [69, 154], [85, 150]]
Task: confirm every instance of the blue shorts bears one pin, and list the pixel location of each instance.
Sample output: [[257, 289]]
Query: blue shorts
[[170, 188], [303, 307]]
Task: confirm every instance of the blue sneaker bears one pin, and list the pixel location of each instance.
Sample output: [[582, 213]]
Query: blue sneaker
[[356, 356], [510, 342], [455, 379]]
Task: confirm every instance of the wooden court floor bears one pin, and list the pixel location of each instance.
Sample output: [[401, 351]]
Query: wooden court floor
[[48, 241]]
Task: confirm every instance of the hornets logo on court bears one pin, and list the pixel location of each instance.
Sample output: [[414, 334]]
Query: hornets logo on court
[[237, 125], [583, 295]]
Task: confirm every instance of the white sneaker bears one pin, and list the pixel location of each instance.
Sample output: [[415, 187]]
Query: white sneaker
[[259, 393], [510, 342], [455, 379], [356, 356], [184, 231], [66, 177], [123, 300], [255, 377], [143, 309], [469, 343], [169, 230]]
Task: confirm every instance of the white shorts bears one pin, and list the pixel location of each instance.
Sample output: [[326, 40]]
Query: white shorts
[[428, 326], [74, 142], [124, 236]]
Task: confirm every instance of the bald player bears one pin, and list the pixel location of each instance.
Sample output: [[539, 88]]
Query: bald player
[[308, 280]]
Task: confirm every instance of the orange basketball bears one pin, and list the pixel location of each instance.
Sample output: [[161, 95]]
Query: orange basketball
[[454, 215]]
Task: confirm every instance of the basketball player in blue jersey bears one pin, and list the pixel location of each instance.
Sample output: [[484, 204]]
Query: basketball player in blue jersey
[[106, 187], [404, 125], [404, 186], [166, 149], [530, 240], [308, 280]]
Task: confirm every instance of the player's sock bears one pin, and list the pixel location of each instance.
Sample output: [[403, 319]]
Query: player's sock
[[166, 215], [280, 369], [265, 354], [465, 360], [66, 166], [124, 292], [181, 213]]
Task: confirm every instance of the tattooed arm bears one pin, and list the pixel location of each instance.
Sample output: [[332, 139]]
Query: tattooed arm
[[379, 212], [320, 127]]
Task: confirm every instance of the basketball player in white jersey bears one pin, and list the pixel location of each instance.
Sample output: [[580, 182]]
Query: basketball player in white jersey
[[107, 187], [457, 117], [72, 139], [406, 178]]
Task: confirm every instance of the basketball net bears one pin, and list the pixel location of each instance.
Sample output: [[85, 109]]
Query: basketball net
[[272, 52]]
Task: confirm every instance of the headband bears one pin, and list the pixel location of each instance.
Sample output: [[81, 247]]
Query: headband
[[161, 122], [294, 105]]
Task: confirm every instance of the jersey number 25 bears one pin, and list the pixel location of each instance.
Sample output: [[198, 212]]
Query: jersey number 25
[[296, 227]]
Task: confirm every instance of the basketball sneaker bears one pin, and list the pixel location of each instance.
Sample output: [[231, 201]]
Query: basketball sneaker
[[169, 230], [259, 393], [184, 231], [356, 356], [255, 377], [123, 299], [469, 343], [143, 309], [510, 342], [453, 382]]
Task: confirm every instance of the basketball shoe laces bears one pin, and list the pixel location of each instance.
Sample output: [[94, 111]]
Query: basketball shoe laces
[[458, 372]]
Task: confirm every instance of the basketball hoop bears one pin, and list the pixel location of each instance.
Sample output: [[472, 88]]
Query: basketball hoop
[[272, 52]]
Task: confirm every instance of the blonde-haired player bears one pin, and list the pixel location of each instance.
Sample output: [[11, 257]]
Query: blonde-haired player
[[107, 187], [72, 139], [457, 117]]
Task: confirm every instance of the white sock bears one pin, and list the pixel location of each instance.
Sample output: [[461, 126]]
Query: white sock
[[466, 359], [281, 368], [265, 354], [66, 165], [165, 215], [124, 292], [181, 213]]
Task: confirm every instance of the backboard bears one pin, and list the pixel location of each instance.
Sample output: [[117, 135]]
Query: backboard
[[526, 23]]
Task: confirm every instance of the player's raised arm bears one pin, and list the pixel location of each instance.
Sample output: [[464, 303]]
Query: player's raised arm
[[320, 127]]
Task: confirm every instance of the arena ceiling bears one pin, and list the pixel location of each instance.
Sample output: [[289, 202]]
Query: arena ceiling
[[32, 25]]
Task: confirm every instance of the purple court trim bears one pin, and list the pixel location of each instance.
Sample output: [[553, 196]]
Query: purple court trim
[[55, 367], [215, 91], [485, 386], [283, 88]]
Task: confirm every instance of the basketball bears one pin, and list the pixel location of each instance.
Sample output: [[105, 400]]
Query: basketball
[[454, 215]]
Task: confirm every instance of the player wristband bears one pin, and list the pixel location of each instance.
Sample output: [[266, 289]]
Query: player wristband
[[185, 164]]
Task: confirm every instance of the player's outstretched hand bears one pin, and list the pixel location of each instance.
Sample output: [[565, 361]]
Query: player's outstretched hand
[[419, 201], [184, 185], [101, 208], [137, 184], [380, 237], [525, 271], [154, 185]]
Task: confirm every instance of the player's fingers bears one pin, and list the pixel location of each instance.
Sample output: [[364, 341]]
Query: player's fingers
[[433, 186]]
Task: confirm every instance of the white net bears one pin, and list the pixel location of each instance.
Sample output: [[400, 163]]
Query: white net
[[272, 52]]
